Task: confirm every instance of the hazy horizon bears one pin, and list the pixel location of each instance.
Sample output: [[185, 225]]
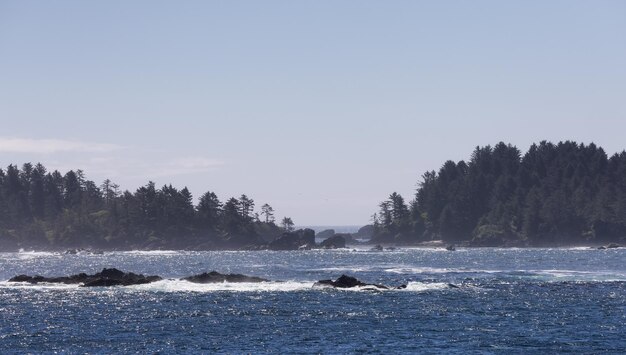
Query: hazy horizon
[[319, 109]]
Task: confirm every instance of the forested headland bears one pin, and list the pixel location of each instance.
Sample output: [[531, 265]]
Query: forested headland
[[50, 210], [552, 195]]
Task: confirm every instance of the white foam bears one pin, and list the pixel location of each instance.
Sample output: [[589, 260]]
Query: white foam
[[27, 255], [426, 286], [434, 270], [151, 252], [344, 269], [42, 286], [577, 275], [37, 253], [186, 286]]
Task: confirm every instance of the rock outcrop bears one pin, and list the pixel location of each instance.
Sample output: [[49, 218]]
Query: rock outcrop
[[345, 281], [365, 232], [300, 239], [106, 277], [334, 242], [215, 277], [325, 234]]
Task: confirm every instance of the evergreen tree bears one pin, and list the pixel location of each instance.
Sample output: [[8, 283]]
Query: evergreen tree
[[268, 212]]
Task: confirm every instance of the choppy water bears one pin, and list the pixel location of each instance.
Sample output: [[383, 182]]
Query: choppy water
[[509, 300]]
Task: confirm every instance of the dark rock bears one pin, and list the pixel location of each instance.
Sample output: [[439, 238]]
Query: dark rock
[[325, 234], [377, 247], [365, 232], [453, 286], [294, 240], [345, 281], [450, 247], [612, 246], [107, 277], [334, 242], [21, 278], [215, 277]]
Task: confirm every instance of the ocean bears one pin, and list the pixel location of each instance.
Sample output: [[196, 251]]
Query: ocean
[[502, 301]]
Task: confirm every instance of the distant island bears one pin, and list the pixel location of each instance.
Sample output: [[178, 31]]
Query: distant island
[[553, 195]]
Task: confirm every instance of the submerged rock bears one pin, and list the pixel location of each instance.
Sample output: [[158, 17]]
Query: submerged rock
[[345, 281], [106, 277], [215, 277]]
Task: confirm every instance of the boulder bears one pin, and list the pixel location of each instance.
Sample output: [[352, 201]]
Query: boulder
[[334, 242], [377, 247], [293, 240], [345, 281], [215, 277], [325, 234], [365, 232], [107, 277], [609, 246]]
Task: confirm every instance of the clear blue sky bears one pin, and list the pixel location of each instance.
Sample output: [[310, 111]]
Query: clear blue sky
[[320, 108]]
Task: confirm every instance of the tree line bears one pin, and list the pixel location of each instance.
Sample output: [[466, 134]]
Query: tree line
[[42, 209], [554, 194]]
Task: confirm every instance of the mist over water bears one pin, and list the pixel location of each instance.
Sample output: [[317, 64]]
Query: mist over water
[[506, 300]]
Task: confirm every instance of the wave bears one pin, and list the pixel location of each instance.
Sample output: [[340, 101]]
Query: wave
[[150, 252], [544, 275], [37, 287], [186, 286], [426, 286], [576, 275], [434, 270], [343, 269]]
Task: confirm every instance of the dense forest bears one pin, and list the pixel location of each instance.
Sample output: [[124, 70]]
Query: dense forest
[[554, 194], [50, 210]]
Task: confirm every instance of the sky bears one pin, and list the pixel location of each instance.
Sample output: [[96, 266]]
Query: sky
[[319, 108]]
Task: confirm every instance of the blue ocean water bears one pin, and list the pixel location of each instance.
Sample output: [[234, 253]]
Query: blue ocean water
[[508, 301]]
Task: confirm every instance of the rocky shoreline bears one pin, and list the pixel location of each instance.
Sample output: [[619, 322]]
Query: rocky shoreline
[[114, 277], [305, 239]]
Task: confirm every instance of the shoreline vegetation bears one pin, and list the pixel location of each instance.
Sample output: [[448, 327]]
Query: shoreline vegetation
[[565, 194]]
